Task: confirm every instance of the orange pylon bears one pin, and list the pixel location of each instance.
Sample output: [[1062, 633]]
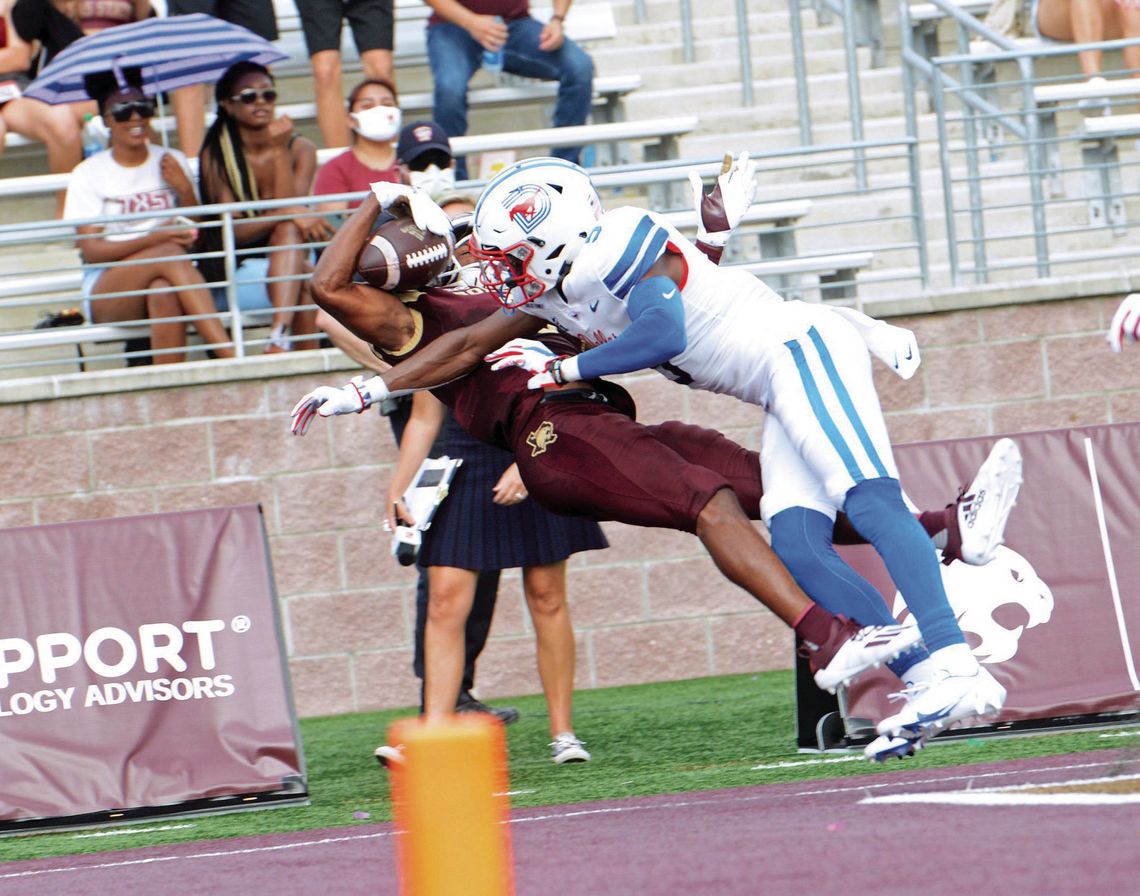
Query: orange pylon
[[451, 807]]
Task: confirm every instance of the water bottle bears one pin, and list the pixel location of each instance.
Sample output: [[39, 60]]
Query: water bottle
[[493, 59], [93, 137]]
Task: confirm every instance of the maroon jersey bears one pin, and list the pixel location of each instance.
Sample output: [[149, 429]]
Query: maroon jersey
[[485, 402], [579, 451]]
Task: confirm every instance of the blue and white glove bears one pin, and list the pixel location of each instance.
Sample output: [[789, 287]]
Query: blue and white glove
[[894, 346], [421, 208], [721, 210], [328, 401], [1125, 326]]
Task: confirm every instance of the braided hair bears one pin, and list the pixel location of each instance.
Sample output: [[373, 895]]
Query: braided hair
[[222, 156], [221, 147]]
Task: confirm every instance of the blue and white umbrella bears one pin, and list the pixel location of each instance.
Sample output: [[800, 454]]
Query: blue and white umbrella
[[173, 52]]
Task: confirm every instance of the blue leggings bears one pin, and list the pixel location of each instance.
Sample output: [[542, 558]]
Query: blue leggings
[[802, 539]]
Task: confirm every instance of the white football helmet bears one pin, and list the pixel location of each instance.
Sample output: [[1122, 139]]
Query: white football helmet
[[530, 224]]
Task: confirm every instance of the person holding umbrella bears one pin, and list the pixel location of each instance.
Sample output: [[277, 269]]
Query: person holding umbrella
[[133, 176]]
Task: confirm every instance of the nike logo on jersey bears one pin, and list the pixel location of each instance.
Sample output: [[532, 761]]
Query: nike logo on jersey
[[669, 294], [594, 304]]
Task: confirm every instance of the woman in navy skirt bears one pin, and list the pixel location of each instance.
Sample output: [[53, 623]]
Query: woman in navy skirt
[[486, 522]]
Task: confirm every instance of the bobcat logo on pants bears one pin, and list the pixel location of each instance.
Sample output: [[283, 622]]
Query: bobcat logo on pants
[[542, 438]]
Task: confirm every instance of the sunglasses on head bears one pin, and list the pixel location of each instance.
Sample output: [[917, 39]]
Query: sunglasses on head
[[251, 95], [123, 111]]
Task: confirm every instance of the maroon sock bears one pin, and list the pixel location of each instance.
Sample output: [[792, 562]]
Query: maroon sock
[[814, 626], [933, 521]]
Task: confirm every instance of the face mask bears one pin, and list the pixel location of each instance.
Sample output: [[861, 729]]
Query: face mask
[[379, 123], [434, 181]]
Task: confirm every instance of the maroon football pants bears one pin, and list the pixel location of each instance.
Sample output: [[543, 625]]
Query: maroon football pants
[[585, 458]]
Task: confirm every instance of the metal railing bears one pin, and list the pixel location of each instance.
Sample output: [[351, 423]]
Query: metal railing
[[1029, 189], [46, 273]]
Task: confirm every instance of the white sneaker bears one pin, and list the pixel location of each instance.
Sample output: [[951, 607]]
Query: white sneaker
[[886, 746], [983, 509], [851, 650], [945, 701], [388, 756], [567, 748]]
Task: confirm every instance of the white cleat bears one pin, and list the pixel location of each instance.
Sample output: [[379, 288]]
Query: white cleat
[[945, 701], [983, 509], [851, 650], [886, 746]]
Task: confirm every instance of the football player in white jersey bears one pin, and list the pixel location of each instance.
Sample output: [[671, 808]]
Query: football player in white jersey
[[638, 294]]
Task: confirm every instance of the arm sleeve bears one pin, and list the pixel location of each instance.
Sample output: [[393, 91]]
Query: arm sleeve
[[656, 333]]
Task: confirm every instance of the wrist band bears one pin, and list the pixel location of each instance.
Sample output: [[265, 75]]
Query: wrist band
[[558, 17]]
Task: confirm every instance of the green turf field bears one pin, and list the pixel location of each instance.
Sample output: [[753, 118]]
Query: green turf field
[[674, 737]]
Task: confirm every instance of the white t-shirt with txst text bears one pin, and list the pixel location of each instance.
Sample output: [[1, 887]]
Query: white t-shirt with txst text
[[102, 188]]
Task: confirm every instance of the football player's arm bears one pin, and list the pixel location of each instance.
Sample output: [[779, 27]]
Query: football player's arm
[[655, 334], [376, 316], [460, 351], [721, 210], [445, 359]]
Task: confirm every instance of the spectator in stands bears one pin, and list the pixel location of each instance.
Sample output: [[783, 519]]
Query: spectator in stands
[[132, 176], [458, 32], [190, 102], [372, 24], [1090, 21], [374, 120], [250, 154], [57, 127], [53, 25], [94, 16]]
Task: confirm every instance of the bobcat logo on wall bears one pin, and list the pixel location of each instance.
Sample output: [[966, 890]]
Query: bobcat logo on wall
[[985, 596]]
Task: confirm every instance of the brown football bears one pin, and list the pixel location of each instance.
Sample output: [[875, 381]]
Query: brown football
[[400, 256]]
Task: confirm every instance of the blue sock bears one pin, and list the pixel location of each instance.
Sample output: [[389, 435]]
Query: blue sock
[[878, 513], [801, 539]]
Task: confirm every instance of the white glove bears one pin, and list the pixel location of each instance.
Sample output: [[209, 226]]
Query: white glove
[[420, 207], [1125, 326], [329, 401], [529, 354], [894, 346], [721, 210]]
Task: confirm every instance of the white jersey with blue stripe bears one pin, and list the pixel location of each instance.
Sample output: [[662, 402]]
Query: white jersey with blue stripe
[[730, 316], [803, 363]]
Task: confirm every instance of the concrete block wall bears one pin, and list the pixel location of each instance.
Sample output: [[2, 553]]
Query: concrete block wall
[[652, 607]]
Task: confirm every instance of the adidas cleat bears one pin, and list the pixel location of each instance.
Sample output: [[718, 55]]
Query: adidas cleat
[[886, 747], [977, 524], [944, 702], [851, 650]]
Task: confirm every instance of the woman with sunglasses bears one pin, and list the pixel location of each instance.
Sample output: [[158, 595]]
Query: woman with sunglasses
[[133, 175], [249, 154]]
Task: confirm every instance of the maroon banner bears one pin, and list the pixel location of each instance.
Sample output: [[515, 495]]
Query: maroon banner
[[1056, 615], [141, 668]]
